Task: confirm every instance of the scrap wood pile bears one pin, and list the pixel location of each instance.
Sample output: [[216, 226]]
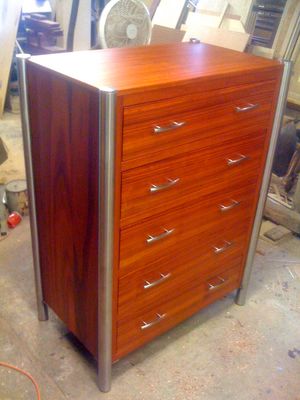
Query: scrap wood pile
[[187, 20], [42, 33]]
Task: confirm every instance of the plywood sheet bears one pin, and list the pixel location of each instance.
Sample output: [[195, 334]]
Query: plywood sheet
[[234, 25], [162, 34], [10, 12], [168, 13], [82, 35], [215, 36]]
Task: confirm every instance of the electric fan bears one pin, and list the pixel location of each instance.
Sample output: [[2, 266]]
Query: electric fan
[[124, 23]]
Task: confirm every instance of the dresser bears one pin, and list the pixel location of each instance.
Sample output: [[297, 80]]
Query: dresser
[[145, 166]]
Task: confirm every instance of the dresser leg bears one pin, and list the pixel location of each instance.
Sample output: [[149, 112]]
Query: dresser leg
[[41, 306], [43, 314], [107, 116], [242, 292], [240, 298]]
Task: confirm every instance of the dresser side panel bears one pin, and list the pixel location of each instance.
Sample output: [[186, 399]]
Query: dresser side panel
[[64, 129]]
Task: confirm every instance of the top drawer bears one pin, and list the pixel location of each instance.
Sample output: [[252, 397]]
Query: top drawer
[[157, 130]]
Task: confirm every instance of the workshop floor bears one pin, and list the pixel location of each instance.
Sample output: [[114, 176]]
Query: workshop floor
[[225, 352]]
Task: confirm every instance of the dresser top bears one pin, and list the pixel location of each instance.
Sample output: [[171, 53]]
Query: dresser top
[[151, 67]]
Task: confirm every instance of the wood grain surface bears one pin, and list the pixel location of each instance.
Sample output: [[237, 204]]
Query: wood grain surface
[[153, 67], [204, 126], [189, 223], [187, 260], [130, 334], [64, 127], [200, 174]]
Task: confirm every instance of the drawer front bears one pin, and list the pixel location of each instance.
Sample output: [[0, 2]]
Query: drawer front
[[149, 288], [161, 186], [154, 131], [171, 235], [135, 331]]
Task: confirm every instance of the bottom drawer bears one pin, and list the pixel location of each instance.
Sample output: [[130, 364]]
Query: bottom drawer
[[137, 331]]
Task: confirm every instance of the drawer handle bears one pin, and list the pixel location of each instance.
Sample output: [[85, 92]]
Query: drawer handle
[[219, 250], [214, 287], [249, 107], [152, 239], [167, 185], [147, 325], [237, 160], [233, 204], [174, 125], [163, 278]]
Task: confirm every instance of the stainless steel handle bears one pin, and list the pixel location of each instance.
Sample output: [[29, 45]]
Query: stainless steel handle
[[163, 186], [237, 160], [163, 278], [174, 125], [213, 287], [166, 233], [226, 246], [233, 204], [249, 107], [147, 325]]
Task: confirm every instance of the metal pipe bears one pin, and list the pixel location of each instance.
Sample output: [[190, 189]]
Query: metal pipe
[[107, 104], [242, 292], [41, 306]]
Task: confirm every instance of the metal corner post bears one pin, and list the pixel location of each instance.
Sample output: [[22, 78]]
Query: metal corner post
[[107, 117], [21, 62], [242, 292]]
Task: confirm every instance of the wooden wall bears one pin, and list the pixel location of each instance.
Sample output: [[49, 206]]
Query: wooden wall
[[9, 20]]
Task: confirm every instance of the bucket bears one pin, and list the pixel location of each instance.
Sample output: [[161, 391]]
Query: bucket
[[17, 196]]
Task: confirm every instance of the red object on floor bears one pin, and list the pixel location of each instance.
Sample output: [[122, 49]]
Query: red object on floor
[[14, 219]]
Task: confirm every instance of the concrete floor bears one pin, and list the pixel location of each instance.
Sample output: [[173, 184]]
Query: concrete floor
[[224, 352], [10, 132]]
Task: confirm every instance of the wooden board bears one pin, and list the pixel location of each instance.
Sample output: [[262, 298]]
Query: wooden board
[[213, 19], [167, 13], [9, 20], [82, 35], [216, 36], [162, 34], [232, 24]]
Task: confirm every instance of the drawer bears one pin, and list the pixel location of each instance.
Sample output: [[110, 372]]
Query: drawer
[[170, 183], [133, 331], [206, 119], [149, 288], [186, 233]]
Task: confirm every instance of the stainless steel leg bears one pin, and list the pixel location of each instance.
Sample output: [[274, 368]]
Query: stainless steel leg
[[41, 306], [242, 292], [107, 100]]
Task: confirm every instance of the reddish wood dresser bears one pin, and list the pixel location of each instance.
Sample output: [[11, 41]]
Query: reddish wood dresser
[[147, 165]]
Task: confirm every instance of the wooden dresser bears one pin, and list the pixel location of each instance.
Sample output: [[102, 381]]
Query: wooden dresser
[[146, 167]]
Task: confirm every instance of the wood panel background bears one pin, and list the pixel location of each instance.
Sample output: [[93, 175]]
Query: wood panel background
[[10, 12]]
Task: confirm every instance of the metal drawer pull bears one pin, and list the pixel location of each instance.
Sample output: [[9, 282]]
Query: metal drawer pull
[[219, 250], [166, 233], [233, 204], [170, 183], [213, 287], [163, 278], [247, 108], [147, 325], [174, 125], [237, 160]]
